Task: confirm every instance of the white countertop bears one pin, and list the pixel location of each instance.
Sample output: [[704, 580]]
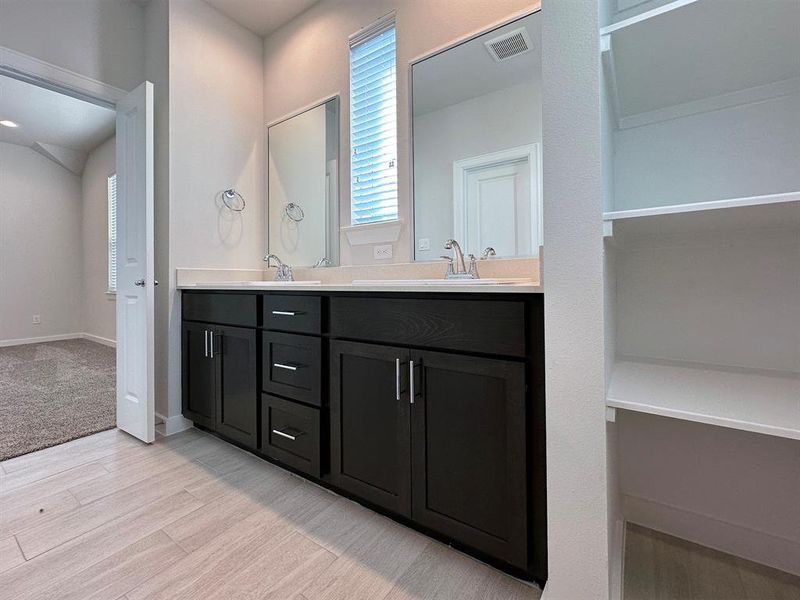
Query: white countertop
[[527, 288]]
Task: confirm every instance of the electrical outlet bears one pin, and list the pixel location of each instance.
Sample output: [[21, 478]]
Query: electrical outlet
[[424, 244], [382, 252], [37, 319]]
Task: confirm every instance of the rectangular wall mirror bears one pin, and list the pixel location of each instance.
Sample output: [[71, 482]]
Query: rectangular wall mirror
[[303, 186], [477, 133]]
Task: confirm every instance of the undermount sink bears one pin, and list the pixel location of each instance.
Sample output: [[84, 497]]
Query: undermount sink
[[261, 284], [410, 282]]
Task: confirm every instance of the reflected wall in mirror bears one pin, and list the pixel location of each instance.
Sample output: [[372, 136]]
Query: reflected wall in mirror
[[477, 132], [303, 186]]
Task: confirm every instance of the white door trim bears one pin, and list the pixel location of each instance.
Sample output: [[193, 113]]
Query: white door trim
[[27, 68], [461, 168]]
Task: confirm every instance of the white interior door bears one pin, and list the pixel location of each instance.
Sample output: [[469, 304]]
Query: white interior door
[[135, 265], [498, 209]]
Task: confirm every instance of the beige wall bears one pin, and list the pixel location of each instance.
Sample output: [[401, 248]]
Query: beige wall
[[216, 139], [40, 246], [98, 307], [101, 39], [308, 59]]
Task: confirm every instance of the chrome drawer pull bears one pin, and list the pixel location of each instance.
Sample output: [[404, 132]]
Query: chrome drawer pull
[[411, 386], [284, 435], [397, 378], [284, 313], [282, 366]]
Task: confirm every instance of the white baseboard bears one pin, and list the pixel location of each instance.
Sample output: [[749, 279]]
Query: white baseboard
[[41, 339], [172, 425], [758, 546], [99, 340], [58, 338]]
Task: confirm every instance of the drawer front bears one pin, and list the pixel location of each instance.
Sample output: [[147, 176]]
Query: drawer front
[[292, 366], [226, 309], [483, 326], [290, 433], [296, 314]]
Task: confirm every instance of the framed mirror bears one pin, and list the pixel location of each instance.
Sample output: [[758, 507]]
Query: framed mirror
[[303, 186], [477, 133]]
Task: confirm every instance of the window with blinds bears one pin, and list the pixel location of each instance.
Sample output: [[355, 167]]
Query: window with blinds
[[373, 123], [112, 233]]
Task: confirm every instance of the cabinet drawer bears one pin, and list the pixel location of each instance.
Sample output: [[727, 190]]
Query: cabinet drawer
[[482, 326], [226, 309], [290, 433], [292, 366], [297, 314]]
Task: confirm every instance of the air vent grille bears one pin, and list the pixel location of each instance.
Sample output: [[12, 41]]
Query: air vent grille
[[509, 44]]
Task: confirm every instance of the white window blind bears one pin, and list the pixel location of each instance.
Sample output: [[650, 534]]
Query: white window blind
[[112, 233], [373, 124]]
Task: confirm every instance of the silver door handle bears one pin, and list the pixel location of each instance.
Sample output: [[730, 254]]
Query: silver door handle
[[411, 381], [205, 339], [211, 335], [284, 313], [397, 378], [139, 283], [282, 366], [284, 435]]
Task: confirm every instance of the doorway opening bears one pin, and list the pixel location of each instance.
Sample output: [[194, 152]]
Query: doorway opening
[[57, 240]]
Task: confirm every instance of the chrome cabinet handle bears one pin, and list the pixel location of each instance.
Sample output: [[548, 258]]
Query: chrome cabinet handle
[[284, 313], [284, 435], [397, 378], [411, 381], [205, 339], [139, 282], [212, 343], [283, 366]]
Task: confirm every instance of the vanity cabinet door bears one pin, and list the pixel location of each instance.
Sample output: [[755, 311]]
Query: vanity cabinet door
[[370, 423], [469, 452], [236, 354], [199, 375]]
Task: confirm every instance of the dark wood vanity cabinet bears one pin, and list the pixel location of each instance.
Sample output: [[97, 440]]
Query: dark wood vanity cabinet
[[370, 423], [427, 407]]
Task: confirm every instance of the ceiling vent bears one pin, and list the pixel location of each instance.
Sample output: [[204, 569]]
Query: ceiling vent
[[509, 45]]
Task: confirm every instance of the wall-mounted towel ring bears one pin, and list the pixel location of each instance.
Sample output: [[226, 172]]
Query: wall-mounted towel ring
[[229, 198], [294, 212]]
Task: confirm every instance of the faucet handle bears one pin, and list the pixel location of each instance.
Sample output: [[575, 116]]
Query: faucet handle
[[447, 258], [473, 267]]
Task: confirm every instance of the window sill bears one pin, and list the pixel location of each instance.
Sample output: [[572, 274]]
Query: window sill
[[374, 233]]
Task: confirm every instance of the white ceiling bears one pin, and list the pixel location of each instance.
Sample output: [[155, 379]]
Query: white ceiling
[[262, 16], [47, 117], [468, 71]]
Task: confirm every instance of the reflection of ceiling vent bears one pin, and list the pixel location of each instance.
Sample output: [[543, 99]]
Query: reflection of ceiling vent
[[509, 44]]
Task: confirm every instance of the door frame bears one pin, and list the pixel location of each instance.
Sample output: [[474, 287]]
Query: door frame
[[29, 69], [462, 167]]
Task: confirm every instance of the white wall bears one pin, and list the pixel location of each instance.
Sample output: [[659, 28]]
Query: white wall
[[216, 138], [497, 121], [101, 39], [573, 275], [40, 246], [98, 314], [743, 151], [308, 59]]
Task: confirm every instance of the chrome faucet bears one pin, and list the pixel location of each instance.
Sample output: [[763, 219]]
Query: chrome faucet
[[284, 271], [457, 268], [322, 262], [487, 252]]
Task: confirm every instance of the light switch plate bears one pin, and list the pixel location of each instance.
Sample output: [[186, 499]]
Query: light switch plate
[[382, 252], [424, 244], [37, 319]]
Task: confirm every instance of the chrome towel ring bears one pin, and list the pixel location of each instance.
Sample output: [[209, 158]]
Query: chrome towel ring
[[294, 212], [229, 198]]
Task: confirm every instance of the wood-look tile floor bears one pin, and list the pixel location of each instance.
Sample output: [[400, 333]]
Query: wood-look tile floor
[[106, 517], [662, 567]]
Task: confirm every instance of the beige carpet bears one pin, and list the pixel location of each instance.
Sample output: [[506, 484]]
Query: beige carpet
[[54, 392]]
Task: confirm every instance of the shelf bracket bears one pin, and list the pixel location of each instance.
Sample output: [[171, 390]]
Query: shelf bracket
[[608, 229], [611, 414]]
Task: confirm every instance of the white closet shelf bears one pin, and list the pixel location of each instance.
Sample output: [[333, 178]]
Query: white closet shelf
[[692, 56], [738, 399]]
